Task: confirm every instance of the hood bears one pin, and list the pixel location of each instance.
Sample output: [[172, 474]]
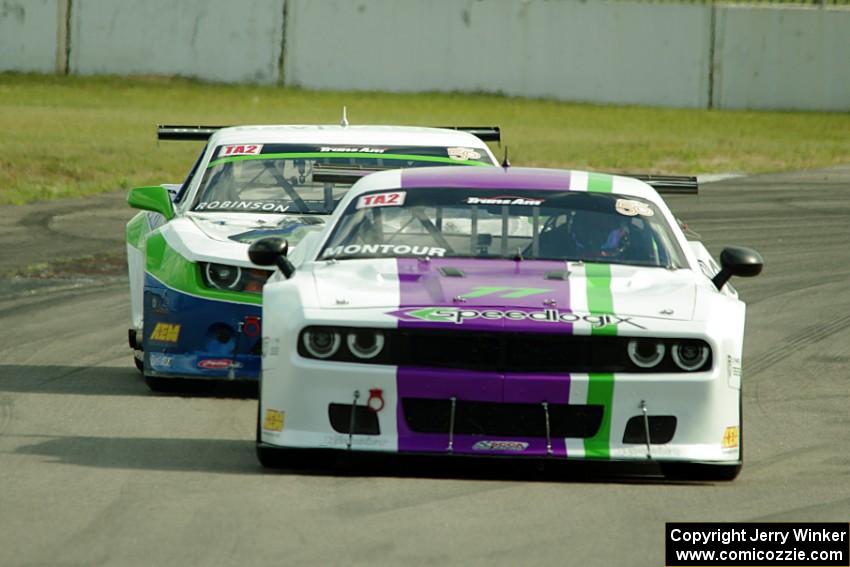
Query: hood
[[246, 227], [503, 284]]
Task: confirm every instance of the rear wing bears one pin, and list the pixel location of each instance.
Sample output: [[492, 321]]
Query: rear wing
[[669, 184], [196, 133]]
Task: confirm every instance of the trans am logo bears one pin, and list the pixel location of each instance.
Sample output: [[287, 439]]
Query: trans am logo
[[459, 316]]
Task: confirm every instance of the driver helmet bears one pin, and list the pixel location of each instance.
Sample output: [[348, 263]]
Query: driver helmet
[[600, 234]]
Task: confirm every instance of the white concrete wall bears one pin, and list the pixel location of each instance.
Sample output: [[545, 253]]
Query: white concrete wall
[[604, 51], [782, 58], [218, 40], [600, 51], [28, 35]]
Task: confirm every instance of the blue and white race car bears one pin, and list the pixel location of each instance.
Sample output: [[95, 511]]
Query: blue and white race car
[[195, 296], [506, 312]]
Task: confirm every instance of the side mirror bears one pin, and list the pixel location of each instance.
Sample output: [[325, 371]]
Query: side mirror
[[272, 252], [155, 198], [737, 261]]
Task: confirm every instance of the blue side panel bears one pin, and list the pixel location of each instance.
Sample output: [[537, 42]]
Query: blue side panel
[[192, 337]]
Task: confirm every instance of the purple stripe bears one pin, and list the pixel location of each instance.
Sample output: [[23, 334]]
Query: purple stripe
[[486, 178], [422, 285]]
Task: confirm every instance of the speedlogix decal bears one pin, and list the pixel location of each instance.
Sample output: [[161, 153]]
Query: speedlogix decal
[[459, 316]]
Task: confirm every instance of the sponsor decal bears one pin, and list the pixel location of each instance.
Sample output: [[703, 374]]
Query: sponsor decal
[[338, 440], [273, 420], [161, 360], [504, 200], [251, 326], [263, 206], [382, 250], [241, 150], [463, 153], [631, 208], [375, 403], [166, 332], [218, 364], [730, 437], [733, 366], [459, 316], [500, 446], [504, 292], [393, 199], [360, 150]]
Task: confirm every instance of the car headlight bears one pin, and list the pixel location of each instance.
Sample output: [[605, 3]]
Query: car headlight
[[365, 344], [235, 278], [321, 343], [690, 356], [646, 353]]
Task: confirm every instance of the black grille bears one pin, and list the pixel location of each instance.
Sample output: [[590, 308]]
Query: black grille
[[505, 351], [510, 420], [661, 429], [365, 421]]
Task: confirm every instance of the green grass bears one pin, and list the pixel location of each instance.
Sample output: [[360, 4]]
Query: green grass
[[71, 136]]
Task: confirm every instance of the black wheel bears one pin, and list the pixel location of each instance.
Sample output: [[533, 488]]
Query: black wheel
[[701, 471], [140, 365]]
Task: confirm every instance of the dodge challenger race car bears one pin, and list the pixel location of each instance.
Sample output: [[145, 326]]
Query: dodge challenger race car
[[195, 297], [504, 311]]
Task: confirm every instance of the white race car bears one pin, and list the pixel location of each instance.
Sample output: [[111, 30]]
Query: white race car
[[195, 296], [504, 311]]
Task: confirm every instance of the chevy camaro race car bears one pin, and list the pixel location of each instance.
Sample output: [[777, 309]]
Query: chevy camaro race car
[[504, 311], [195, 297]]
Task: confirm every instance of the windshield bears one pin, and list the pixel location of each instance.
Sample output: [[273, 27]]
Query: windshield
[[516, 224], [278, 178]]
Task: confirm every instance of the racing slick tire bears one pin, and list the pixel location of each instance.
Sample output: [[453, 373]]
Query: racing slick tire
[[140, 366], [701, 471]]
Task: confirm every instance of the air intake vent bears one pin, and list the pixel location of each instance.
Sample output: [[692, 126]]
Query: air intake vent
[[452, 272]]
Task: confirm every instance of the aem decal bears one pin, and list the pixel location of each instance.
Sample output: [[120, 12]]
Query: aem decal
[[166, 332], [393, 199], [390, 250], [459, 316]]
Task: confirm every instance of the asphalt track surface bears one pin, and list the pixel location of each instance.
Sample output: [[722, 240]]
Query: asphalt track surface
[[97, 470]]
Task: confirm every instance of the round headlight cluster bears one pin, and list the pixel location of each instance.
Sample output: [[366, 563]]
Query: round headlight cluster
[[651, 354], [365, 344], [325, 342], [223, 276], [322, 343], [646, 353], [689, 356]]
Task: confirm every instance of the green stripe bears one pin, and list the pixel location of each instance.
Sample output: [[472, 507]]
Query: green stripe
[[304, 155], [600, 388], [599, 182], [176, 272]]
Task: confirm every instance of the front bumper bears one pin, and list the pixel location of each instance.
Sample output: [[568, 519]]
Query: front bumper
[[186, 336], [691, 417]]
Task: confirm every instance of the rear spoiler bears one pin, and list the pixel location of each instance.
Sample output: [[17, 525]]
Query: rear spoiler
[[195, 133], [669, 184], [344, 175]]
